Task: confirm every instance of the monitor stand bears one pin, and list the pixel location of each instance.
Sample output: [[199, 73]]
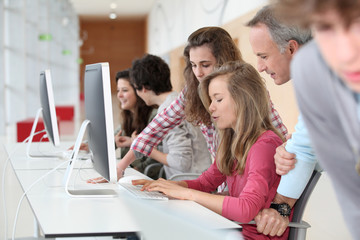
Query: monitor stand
[[32, 134], [83, 193]]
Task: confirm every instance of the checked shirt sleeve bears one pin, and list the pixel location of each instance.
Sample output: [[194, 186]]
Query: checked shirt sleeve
[[211, 138], [157, 129], [276, 120]]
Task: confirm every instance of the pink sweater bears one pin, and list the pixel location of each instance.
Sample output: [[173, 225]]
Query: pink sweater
[[251, 191]]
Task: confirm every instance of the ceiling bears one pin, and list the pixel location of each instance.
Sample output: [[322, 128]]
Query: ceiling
[[102, 8]]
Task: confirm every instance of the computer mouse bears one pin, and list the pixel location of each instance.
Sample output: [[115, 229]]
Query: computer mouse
[[129, 178]]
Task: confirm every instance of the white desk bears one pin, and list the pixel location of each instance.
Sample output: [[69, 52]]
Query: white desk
[[20, 161], [59, 215]]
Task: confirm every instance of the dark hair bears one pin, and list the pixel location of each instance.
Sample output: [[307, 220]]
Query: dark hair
[[123, 74], [223, 49], [301, 11], [280, 32], [137, 120], [152, 73]]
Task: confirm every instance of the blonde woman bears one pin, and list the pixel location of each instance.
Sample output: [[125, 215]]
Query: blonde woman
[[237, 100]]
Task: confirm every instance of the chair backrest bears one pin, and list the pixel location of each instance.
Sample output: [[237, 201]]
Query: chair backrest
[[184, 176], [300, 204], [154, 167]]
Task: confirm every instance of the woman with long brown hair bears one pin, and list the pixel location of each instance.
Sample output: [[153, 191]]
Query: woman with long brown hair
[[206, 48]]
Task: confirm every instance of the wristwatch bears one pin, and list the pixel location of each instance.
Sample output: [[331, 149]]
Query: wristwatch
[[283, 208]]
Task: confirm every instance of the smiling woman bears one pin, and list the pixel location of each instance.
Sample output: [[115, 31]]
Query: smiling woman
[[135, 115]]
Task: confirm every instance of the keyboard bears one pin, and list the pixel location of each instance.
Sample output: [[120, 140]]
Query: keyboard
[[136, 191]]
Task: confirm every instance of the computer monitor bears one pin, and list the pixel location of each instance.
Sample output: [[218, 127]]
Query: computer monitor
[[48, 107], [48, 112], [100, 129]]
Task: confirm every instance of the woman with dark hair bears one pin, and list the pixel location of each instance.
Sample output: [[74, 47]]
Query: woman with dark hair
[[135, 115]]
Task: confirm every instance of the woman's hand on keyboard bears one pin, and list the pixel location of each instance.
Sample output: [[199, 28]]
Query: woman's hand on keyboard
[[173, 189], [143, 182]]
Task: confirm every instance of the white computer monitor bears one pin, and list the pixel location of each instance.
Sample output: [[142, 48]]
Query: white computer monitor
[[48, 112], [48, 107], [100, 129]]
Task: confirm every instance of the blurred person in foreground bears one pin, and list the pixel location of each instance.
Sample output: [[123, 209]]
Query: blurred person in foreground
[[326, 74]]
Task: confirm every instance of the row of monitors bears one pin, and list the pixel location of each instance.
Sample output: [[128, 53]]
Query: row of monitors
[[98, 123]]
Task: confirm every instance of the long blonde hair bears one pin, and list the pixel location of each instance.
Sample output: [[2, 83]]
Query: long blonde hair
[[248, 91]]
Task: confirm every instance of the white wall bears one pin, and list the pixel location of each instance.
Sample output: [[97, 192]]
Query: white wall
[[171, 22], [2, 75], [23, 55]]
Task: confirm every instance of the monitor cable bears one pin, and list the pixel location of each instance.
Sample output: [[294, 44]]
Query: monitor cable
[[3, 179], [28, 189]]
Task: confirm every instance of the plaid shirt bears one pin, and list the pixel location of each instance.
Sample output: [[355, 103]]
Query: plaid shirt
[[172, 116]]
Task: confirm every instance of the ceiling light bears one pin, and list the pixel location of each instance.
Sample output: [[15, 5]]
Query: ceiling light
[[65, 21], [113, 5], [112, 15]]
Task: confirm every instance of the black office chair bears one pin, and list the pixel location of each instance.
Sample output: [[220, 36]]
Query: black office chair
[[297, 226]]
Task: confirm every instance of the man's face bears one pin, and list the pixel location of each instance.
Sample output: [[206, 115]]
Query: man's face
[[339, 45], [269, 58]]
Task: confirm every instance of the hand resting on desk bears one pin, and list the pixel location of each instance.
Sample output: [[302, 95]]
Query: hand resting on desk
[[83, 146], [120, 173]]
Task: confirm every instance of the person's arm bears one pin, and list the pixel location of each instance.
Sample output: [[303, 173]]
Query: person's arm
[[260, 177], [124, 163], [179, 190], [284, 160], [122, 141], [198, 190], [269, 221], [157, 129], [294, 183], [208, 181], [152, 135], [260, 187], [243, 208], [179, 148], [159, 156]]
